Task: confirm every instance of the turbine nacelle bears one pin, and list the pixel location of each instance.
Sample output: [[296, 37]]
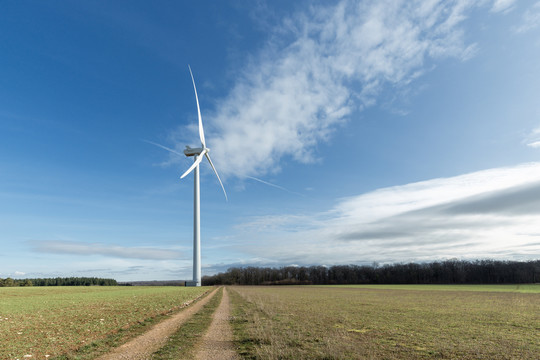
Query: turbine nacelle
[[189, 151]]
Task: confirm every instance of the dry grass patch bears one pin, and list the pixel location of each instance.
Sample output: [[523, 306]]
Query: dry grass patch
[[353, 323]]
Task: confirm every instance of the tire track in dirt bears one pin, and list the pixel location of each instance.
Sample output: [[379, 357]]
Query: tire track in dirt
[[217, 343], [143, 346]]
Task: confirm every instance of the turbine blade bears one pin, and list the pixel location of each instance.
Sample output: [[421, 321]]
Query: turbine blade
[[201, 130], [215, 172], [195, 164], [163, 147]]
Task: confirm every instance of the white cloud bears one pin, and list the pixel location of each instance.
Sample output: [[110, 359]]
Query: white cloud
[[531, 19], [121, 269], [487, 214], [291, 97], [88, 249], [391, 201], [533, 139], [503, 5]]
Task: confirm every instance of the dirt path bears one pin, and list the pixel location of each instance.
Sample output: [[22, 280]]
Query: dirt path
[[217, 343], [143, 346]]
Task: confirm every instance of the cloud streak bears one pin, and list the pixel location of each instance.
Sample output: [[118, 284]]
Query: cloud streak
[[335, 61], [273, 185], [90, 249], [486, 214]]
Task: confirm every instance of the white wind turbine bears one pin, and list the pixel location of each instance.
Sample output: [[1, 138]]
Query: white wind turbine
[[198, 154]]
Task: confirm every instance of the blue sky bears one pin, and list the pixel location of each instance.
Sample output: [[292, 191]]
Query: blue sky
[[396, 130]]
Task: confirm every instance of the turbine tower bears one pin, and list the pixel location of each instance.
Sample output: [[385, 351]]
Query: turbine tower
[[198, 155]]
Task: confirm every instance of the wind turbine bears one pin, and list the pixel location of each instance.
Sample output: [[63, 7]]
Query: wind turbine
[[198, 155]]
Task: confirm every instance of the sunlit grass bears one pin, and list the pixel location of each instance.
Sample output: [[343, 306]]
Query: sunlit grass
[[51, 321], [382, 323], [520, 288]]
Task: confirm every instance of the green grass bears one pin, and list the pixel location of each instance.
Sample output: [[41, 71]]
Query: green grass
[[182, 344], [385, 323], [520, 288], [243, 315], [80, 321], [115, 339]]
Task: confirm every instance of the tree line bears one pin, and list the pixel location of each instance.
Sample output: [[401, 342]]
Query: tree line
[[68, 281], [439, 272]]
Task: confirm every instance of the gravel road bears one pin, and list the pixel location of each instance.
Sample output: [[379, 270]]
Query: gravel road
[[143, 346], [217, 343]]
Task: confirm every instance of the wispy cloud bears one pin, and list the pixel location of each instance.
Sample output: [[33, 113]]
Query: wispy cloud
[[320, 67], [88, 249], [530, 19], [491, 213], [503, 5], [533, 139]]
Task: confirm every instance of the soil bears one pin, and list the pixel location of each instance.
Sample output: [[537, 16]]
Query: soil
[[143, 346], [217, 343]]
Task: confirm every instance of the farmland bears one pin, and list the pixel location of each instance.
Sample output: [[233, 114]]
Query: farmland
[[281, 322], [43, 321], [387, 322]]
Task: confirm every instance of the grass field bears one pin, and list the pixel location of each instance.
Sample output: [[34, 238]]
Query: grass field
[[282, 322], [387, 322], [51, 321], [519, 288]]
